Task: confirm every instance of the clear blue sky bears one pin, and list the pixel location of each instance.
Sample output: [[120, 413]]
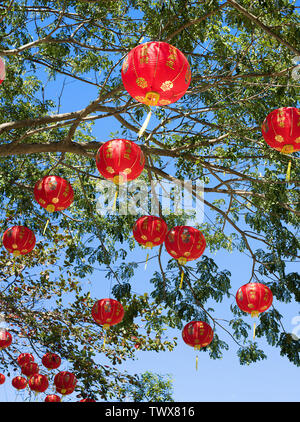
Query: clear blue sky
[[274, 379]]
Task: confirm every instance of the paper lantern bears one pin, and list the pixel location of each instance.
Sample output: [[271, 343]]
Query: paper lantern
[[87, 400], [53, 193], [25, 358], [65, 382], [52, 398], [51, 361], [19, 382], [107, 312], [197, 334], [38, 383], [2, 379], [29, 369], [254, 298], [120, 160], [185, 243], [19, 240], [281, 129], [156, 73], [5, 339], [150, 231], [2, 70]]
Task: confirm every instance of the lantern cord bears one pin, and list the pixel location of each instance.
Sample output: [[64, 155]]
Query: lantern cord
[[181, 279], [46, 225], [145, 124], [288, 173]]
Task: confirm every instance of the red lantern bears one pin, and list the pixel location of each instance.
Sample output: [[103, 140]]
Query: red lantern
[[51, 360], [53, 193], [52, 398], [2, 379], [185, 243], [281, 129], [150, 231], [19, 240], [19, 382], [65, 382], [38, 383], [25, 358], [254, 298], [107, 312], [5, 339], [2, 70], [197, 334], [119, 160], [29, 369], [156, 73]]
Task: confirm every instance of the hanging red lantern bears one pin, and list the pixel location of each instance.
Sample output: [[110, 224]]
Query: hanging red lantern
[[185, 243], [156, 73], [254, 298], [64, 382], [19, 240], [281, 131], [38, 383], [30, 368], [107, 312], [5, 339], [87, 400], [51, 361], [19, 382], [197, 334], [53, 193], [25, 358], [2, 70], [120, 160], [150, 231], [52, 398], [2, 379]]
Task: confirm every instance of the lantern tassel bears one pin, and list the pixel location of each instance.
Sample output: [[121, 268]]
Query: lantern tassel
[[145, 124], [254, 327], [197, 363], [288, 173], [46, 225], [146, 260], [115, 201], [181, 279]]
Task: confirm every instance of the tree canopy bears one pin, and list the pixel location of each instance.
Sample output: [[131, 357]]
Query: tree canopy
[[242, 58]]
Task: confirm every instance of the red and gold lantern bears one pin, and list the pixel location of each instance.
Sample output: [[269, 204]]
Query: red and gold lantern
[[120, 160], [19, 240], [29, 369], [197, 334], [38, 383], [25, 358], [254, 298], [150, 231], [51, 361], [185, 243], [52, 398], [19, 382], [2, 379], [53, 193], [5, 339], [87, 400], [281, 131], [65, 382], [156, 73], [2, 70], [107, 312]]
